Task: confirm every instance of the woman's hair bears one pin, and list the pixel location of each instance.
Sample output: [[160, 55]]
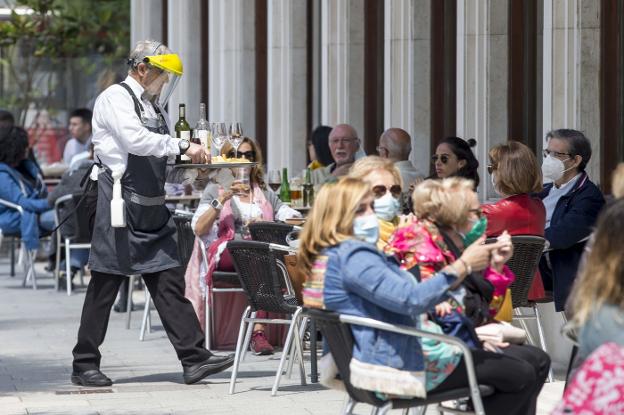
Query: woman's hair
[[13, 145], [443, 201], [331, 219], [256, 175], [362, 167], [601, 281], [516, 169], [319, 137], [617, 181], [462, 150]]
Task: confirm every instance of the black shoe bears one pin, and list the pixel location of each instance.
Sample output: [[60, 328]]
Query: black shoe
[[90, 378], [214, 364]]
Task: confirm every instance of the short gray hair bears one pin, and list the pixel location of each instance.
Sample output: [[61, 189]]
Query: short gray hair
[[145, 48]]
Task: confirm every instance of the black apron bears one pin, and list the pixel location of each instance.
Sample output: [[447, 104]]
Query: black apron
[[149, 242]]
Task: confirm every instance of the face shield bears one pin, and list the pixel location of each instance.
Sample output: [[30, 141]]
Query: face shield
[[162, 78]]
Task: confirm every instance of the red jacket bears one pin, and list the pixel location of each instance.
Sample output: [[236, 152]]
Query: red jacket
[[519, 215]]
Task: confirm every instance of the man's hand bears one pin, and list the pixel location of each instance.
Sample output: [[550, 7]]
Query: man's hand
[[198, 154], [443, 309]]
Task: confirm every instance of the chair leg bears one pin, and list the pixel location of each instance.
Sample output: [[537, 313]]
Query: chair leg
[[57, 266], [12, 256], [144, 321], [349, 406], [20, 260], [542, 340], [291, 354], [207, 325], [297, 340], [239, 348], [129, 303], [68, 266], [524, 326], [32, 255], [82, 273], [248, 337], [289, 338]]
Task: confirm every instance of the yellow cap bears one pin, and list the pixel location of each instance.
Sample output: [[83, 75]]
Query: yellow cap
[[170, 63]]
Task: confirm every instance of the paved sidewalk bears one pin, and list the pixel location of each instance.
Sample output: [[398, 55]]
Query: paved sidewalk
[[38, 331]]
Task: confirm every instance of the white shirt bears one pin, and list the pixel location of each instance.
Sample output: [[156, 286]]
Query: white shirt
[[118, 131], [550, 201], [74, 147]]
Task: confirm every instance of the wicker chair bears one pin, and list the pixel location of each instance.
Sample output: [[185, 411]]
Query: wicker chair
[[527, 253], [336, 329], [265, 280], [271, 232]]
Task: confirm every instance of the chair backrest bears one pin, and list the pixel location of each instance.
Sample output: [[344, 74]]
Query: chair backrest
[[272, 232], [186, 238], [340, 341], [263, 275], [523, 263]]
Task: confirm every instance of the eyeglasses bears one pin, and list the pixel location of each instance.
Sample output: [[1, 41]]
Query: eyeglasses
[[444, 158], [477, 212], [491, 168], [555, 153], [380, 190], [249, 155]]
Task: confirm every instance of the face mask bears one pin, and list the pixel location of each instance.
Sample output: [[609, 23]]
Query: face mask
[[553, 169], [475, 232], [387, 207], [366, 228]]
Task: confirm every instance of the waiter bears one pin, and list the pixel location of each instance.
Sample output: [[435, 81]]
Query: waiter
[[133, 230]]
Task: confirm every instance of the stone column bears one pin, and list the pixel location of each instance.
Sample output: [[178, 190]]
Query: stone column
[[145, 20], [342, 63], [286, 106], [571, 56], [231, 61], [184, 39], [482, 49], [407, 74]]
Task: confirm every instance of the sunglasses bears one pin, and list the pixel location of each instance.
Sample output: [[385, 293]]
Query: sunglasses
[[249, 155], [381, 190], [444, 158]]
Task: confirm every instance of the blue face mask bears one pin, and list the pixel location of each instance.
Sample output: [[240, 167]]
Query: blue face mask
[[387, 207], [366, 228]]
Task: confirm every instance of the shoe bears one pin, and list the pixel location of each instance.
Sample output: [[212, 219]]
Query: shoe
[[90, 378], [259, 344], [214, 364]]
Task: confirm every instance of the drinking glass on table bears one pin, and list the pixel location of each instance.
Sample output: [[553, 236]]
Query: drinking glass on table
[[296, 192], [219, 135], [275, 179], [236, 135]]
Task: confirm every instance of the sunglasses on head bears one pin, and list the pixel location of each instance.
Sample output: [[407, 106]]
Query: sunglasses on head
[[249, 155], [444, 158], [381, 190]]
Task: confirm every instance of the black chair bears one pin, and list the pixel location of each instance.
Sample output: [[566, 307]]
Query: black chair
[[337, 331], [528, 250], [264, 278], [271, 232]]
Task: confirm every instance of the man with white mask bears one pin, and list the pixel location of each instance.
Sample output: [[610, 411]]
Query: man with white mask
[[133, 231], [572, 205]]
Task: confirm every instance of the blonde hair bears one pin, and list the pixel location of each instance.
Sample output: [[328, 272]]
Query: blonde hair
[[516, 167], [443, 201], [257, 172], [366, 165], [617, 181], [601, 281], [330, 221]]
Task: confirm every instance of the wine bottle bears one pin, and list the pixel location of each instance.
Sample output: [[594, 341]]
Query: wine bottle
[[203, 129], [183, 131], [308, 190], [285, 187]]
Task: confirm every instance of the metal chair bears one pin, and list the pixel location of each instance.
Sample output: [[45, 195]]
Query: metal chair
[[336, 329], [271, 232], [26, 256], [528, 250], [265, 280], [77, 235]]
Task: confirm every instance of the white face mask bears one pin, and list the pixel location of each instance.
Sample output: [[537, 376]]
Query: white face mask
[[366, 228], [553, 169], [387, 207]]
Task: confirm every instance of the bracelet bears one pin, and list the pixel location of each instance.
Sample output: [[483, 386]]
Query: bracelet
[[466, 266]]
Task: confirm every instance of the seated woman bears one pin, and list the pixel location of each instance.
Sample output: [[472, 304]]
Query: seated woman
[[385, 181], [21, 183], [597, 299], [516, 177], [454, 158], [220, 217], [449, 219], [347, 274]]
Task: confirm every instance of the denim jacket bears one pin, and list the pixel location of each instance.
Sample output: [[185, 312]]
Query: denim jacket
[[361, 281]]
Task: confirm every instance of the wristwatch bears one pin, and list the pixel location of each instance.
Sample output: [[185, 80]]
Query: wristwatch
[[184, 145], [216, 204]]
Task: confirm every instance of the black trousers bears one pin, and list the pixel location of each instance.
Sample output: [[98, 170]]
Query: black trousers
[[517, 375], [175, 311]]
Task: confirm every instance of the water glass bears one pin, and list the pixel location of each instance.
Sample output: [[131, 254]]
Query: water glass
[[240, 185]]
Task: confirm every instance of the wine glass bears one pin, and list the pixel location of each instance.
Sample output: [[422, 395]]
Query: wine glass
[[219, 136], [275, 179], [236, 135]]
